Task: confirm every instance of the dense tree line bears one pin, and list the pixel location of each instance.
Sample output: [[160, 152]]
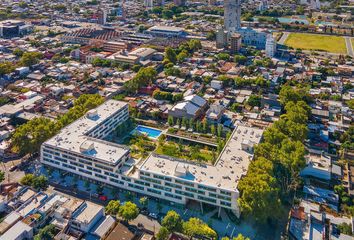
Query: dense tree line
[[173, 222], [274, 174], [143, 78], [162, 95], [28, 137]]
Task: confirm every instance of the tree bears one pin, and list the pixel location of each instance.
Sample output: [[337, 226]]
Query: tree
[[254, 101], [170, 55], [27, 179], [144, 201], [2, 176], [172, 221], [289, 94], [18, 52], [211, 36], [162, 234], [6, 68], [129, 211], [30, 58], [28, 137], [223, 56], [240, 59], [182, 56], [212, 129], [46, 233], [40, 182], [220, 128], [259, 191], [170, 121], [112, 207], [345, 228], [195, 226], [239, 237]]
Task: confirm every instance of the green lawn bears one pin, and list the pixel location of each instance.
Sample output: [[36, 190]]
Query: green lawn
[[333, 44], [185, 152]]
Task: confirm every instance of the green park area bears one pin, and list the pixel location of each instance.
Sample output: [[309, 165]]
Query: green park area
[[316, 42]]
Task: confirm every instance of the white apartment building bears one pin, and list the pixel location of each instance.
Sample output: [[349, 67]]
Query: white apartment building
[[79, 149], [271, 46]]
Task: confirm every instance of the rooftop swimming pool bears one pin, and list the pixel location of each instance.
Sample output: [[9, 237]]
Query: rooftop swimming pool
[[150, 132]]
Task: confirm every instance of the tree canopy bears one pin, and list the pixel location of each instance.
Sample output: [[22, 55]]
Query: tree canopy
[[195, 226], [28, 137], [274, 174], [172, 221], [128, 211], [30, 58], [112, 207]]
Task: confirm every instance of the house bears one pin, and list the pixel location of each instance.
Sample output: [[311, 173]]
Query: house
[[104, 227], [18, 232], [192, 107], [86, 216], [121, 232], [215, 113]]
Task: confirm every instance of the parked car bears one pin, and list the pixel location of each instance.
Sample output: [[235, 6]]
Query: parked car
[[103, 198], [153, 215], [13, 168]]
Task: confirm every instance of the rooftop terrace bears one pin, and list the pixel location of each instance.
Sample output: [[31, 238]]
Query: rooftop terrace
[[231, 165]]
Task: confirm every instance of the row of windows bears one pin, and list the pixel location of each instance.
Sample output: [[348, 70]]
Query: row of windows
[[104, 167], [194, 190], [85, 171], [173, 196], [163, 178], [184, 183], [100, 176], [150, 180], [68, 166], [136, 186], [167, 189], [173, 185], [184, 193], [207, 199], [52, 161]]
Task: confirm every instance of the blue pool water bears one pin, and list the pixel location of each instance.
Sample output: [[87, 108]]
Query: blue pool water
[[150, 132]]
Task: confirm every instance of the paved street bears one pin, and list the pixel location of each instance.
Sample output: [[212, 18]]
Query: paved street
[[223, 226], [11, 176]]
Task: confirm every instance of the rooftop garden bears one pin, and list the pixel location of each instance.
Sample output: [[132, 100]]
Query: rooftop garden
[[195, 152]]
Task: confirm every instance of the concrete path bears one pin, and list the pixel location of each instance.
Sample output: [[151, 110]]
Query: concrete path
[[283, 38], [348, 43]]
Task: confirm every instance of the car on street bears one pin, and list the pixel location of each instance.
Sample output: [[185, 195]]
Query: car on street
[[153, 216], [12, 168], [103, 198]]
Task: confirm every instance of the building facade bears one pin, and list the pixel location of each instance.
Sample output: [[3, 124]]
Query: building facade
[[271, 46], [232, 15]]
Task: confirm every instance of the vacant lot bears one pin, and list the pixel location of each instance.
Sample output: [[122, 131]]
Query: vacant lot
[[334, 44]]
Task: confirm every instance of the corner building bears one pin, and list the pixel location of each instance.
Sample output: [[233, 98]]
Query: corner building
[[80, 149]]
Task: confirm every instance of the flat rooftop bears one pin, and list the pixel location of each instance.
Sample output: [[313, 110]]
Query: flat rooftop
[[87, 212], [166, 28], [75, 137], [231, 165]]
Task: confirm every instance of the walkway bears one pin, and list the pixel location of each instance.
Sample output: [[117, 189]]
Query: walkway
[[283, 38], [348, 42]]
